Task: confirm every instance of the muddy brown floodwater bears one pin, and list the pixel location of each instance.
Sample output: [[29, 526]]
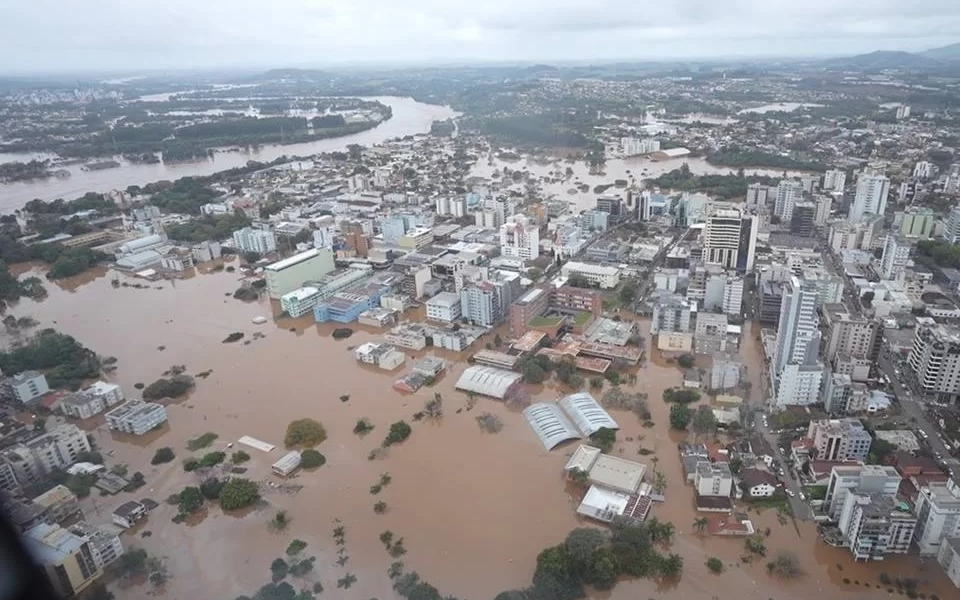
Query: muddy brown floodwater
[[474, 509]]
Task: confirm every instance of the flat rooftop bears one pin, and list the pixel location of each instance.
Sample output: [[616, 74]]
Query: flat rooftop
[[293, 260], [617, 473]]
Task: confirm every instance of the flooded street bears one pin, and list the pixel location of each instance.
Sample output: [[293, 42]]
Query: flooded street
[[474, 509]]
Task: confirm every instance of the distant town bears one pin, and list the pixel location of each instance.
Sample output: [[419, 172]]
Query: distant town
[[705, 326]]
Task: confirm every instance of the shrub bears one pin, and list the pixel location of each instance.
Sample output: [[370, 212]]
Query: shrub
[[191, 464], [363, 427], [715, 564], [174, 387], [786, 565], [189, 501], [212, 459], [380, 507], [238, 493], [399, 431], [162, 455], [311, 459], [279, 569], [295, 547], [239, 457], [305, 433], [211, 488], [342, 333], [198, 443]]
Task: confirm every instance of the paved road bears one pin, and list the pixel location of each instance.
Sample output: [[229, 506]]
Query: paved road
[[914, 408], [801, 510]]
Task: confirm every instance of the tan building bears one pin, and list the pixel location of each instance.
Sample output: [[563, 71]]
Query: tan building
[[65, 557], [859, 337]]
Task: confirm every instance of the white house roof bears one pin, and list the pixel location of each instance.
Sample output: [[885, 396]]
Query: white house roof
[[550, 424], [587, 414], [487, 381]]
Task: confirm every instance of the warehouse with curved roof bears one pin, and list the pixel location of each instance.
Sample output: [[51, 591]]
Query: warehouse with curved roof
[[587, 414], [489, 381], [550, 424]]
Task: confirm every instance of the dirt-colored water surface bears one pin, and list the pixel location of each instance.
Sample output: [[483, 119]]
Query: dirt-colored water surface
[[473, 508]]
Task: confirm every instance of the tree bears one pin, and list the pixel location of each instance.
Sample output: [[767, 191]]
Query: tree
[[700, 524], [671, 566], [239, 457], [703, 421], [583, 542], [879, 450], [311, 459], [189, 500], [238, 493], [304, 433], [434, 408], [250, 257], [174, 387], [679, 416], [604, 570], [867, 299], [604, 439], [628, 291], [686, 361], [162, 455], [755, 544], [554, 577], [279, 569], [659, 482], [40, 424], [577, 280], [785, 565], [211, 488], [295, 547], [715, 564], [380, 507], [280, 521], [399, 431], [532, 373], [596, 382], [497, 340]]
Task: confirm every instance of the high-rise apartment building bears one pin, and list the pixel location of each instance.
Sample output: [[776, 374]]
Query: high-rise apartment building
[[804, 219], [952, 230], [788, 193], [935, 359], [874, 525], [871, 196], [721, 236], [757, 195], [672, 313], [824, 204], [856, 336], [798, 332], [862, 479], [255, 240], [839, 440], [896, 256], [66, 558], [938, 515], [834, 180], [520, 238]]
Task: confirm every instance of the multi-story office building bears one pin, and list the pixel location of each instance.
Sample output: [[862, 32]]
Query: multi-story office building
[[746, 254], [935, 359], [804, 218], [137, 417], [874, 525], [938, 515], [612, 205], [771, 301], [839, 440], [530, 306], [485, 302], [721, 236], [896, 256], [733, 296], [392, 228], [26, 386], [949, 559], [923, 169], [837, 389], [672, 313], [291, 273], [300, 301], [65, 557], [834, 180], [567, 299], [255, 240], [605, 278], [520, 238], [862, 479], [788, 193], [871, 196]]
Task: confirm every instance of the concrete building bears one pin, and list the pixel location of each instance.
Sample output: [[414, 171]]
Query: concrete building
[[721, 236], [757, 195], [601, 276], [444, 307], [289, 274], [287, 464], [725, 374], [795, 367], [824, 205], [137, 417], [713, 479], [916, 222], [839, 440], [205, 251], [771, 301], [862, 479], [261, 241], [66, 558], [416, 238], [949, 559], [347, 305], [874, 525], [384, 356], [871, 196], [59, 503], [938, 515], [26, 386], [710, 333], [40, 455], [799, 385], [672, 313], [935, 359], [104, 542], [732, 296], [834, 180], [803, 221], [896, 256], [129, 514], [951, 230], [520, 238], [300, 301], [846, 334], [92, 401], [837, 390], [788, 193], [569, 300]]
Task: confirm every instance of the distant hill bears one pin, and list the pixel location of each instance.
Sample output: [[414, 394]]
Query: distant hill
[[951, 52], [884, 59], [290, 74]]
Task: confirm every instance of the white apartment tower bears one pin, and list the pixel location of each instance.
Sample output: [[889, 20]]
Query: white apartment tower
[[896, 256], [798, 333], [952, 230], [834, 180], [520, 238], [871, 196], [789, 192], [938, 515]]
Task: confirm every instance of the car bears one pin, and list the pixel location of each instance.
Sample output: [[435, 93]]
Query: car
[[802, 497], [790, 493]]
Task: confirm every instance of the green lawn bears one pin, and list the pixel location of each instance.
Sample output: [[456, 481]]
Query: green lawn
[[545, 321], [815, 492], [581, 318]]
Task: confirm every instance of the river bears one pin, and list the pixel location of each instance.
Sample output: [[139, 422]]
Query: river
[[474, 509], [409, 118]]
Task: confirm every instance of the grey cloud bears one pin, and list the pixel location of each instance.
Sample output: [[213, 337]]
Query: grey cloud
[[135, 34]]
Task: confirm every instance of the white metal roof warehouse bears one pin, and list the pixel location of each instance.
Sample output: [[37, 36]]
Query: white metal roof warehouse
[[587, 414], [550, 424], [488, 381]]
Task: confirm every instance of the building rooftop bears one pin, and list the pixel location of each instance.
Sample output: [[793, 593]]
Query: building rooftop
[[550, 424], [288, 462], [293, 260], [586, 413], [617, 473], [59, 493], [583, 458], [300, 294], [51, 544], [445, 299], [591, 268], [488, 381], [134, 409]]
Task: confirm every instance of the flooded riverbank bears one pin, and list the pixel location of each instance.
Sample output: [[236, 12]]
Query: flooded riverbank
[[409, 118], [474, 509]]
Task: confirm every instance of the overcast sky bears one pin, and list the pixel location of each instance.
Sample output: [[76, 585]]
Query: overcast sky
[[93, 35]]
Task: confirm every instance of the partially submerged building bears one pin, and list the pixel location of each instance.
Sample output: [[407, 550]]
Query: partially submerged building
[[572, 417], [489, 381]]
